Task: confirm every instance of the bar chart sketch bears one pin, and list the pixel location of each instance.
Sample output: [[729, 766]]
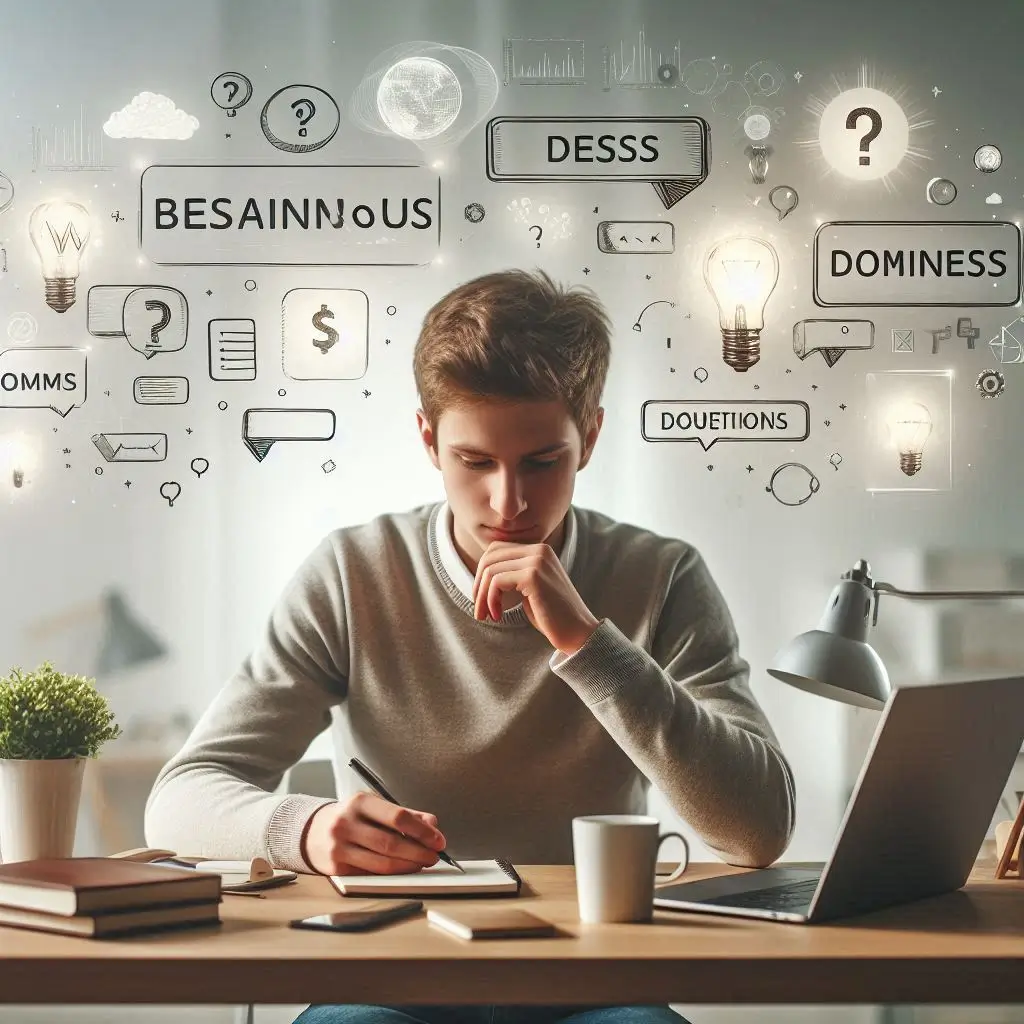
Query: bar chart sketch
[[637, 65], [77, 147], [543, 61]]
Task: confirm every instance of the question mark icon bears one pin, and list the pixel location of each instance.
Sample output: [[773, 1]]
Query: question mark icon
[[876, 127], [303, 117], [165, 319], [239, 90], [540, 231]]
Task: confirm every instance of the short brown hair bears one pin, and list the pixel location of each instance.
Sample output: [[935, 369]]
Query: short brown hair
[[513, 334]]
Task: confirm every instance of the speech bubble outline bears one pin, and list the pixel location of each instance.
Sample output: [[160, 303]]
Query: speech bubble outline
[[629, 237], [832, 337], [109, 306], [160, 390], [518, 149], [389, 215], [726, 406], [66, 359], [893, 240], [148, 315], [263, 428], [170, 491]]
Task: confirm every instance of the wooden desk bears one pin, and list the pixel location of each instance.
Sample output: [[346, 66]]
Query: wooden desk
[[966, 947]]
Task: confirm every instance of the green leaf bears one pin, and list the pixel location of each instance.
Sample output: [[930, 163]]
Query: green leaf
[[48, 715]]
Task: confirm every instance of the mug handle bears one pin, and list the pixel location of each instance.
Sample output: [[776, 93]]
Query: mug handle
[[660, 880]]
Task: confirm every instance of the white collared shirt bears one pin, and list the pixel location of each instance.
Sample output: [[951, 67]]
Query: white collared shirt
[[457, 569]]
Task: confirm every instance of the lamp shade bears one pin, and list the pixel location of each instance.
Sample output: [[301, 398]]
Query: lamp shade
[[834, 660], [126, 642]]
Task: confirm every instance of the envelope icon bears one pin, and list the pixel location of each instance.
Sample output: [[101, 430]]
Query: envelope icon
[[131, 447], [902, 341]]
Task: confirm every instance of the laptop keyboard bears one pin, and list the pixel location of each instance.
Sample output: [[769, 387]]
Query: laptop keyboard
[[792, 896]]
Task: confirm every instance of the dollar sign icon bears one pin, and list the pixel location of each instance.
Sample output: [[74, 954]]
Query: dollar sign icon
[[324, 344]]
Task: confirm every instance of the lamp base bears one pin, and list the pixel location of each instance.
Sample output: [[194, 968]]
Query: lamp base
[[910, 462], [1009, 854], [741, 348], [60, 293]]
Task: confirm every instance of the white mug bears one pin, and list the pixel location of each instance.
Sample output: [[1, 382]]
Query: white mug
[[616, 856]]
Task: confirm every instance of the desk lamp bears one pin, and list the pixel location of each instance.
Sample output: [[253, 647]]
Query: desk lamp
[[835, 660], [122, 642]]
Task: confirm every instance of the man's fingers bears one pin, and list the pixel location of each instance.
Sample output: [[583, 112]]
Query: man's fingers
[[360, 860], [398, 851], [417, 825]]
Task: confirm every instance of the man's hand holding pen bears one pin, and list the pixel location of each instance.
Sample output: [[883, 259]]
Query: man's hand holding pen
[[368, 835]]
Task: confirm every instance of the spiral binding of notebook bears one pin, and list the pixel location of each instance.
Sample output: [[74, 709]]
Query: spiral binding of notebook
[[509, 870]]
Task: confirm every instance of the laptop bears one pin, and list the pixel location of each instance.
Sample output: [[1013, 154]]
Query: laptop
[[922, 806]]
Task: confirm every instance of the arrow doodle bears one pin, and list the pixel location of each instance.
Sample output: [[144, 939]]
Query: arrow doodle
[[636, 326]]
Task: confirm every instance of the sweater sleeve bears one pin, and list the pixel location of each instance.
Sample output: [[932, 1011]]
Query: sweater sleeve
[[215, 798], [685, 715]]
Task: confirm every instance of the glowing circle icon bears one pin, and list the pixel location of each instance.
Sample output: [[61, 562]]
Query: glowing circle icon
[[863, 134], [757, 127], [419, 98], [940, 191], [988, 158]]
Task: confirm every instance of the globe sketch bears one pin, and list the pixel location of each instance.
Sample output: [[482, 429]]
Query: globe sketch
[[419, 98]]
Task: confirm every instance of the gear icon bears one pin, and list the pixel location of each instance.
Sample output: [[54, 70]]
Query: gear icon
[[990, 383]]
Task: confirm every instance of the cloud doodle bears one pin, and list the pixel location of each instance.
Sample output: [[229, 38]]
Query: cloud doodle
[[151, 115]]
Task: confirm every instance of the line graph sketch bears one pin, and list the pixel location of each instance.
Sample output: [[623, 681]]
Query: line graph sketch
[[636, 65], [69, 148], [543, 61]]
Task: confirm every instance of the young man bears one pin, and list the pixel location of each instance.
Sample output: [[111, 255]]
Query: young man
[[504, 660]]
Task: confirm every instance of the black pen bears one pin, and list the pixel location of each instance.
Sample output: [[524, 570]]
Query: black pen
[[381, 790]]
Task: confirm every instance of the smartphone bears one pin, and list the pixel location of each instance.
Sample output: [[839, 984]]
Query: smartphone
[[359, 920]]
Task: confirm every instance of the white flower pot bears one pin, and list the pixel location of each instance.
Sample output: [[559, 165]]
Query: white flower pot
[[39, 807]]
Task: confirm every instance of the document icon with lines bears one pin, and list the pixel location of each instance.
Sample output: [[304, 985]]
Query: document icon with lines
[[233, 349]]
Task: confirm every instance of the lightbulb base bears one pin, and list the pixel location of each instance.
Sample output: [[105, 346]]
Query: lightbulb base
[[741, 348], [60, 293], [910, 462]]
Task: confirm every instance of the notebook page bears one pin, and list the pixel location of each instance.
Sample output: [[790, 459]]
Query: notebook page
[[479, 874]]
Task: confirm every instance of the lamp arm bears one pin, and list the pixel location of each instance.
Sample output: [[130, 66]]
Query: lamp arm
[[879, 587], [938, 595]]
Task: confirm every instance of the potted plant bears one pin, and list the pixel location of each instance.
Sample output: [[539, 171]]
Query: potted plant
[[50, 723]]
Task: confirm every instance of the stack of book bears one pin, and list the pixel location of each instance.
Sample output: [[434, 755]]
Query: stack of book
[[100, 897]]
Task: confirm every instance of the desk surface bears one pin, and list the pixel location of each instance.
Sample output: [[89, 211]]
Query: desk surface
[[965, 947]]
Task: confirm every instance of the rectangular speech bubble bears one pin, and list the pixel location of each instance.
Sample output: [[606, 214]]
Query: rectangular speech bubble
[[673, 153], [278, 215], [707, 422], [832, 337], [120, 447], [262, 428], [43, 378], [917, 263], [160, 390], [629, 237]]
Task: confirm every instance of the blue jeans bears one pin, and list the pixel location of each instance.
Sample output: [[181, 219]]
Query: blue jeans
[[367, 1014]]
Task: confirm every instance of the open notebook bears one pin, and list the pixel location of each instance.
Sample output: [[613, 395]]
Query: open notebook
[[482, 878]]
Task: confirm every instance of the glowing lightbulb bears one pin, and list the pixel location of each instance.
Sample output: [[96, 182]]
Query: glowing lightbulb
[[16, 457], [60, 232], [910, 424], [741, 273]]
